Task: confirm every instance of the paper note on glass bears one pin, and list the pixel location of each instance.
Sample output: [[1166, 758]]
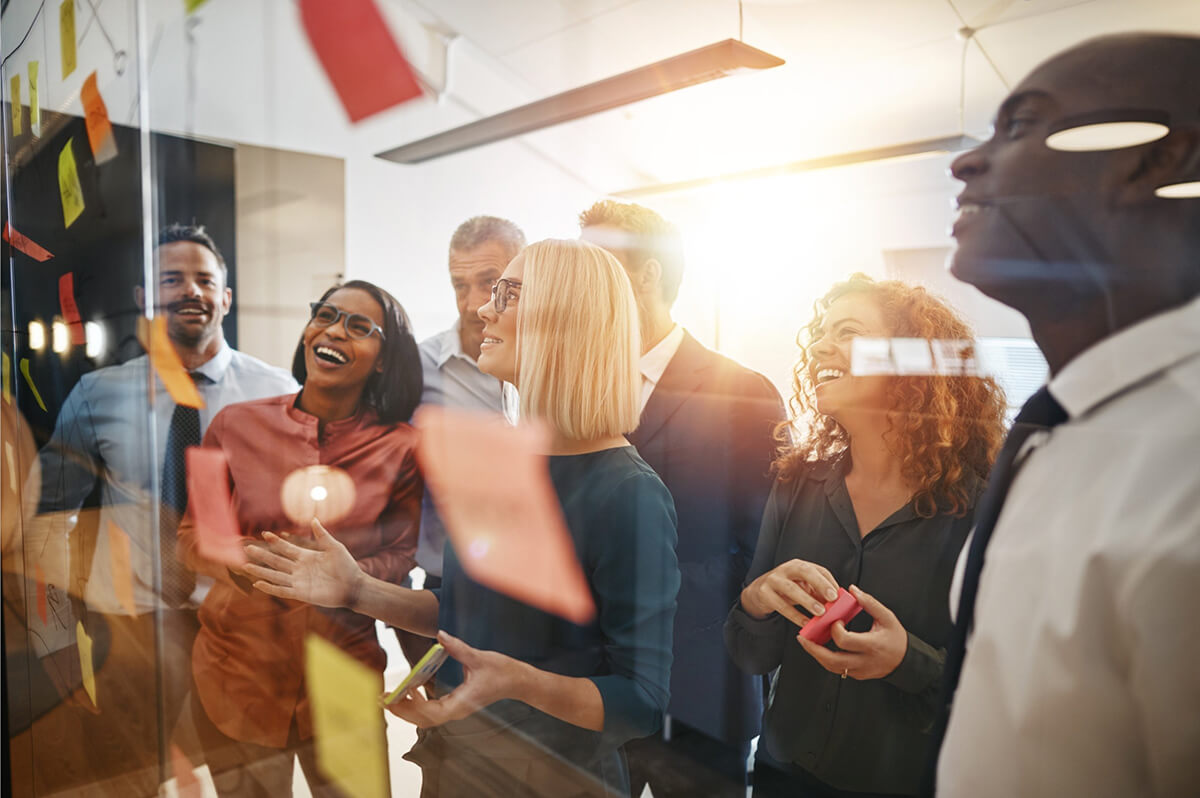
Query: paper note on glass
[[211, 507], [68, 184], [347, 721], [503, 530], [70, 311], [35, 109], [85, 661], [362, 60], [66, 36], [37, 396], [99, 129], [20, 242], [15, 102], [167, 364]]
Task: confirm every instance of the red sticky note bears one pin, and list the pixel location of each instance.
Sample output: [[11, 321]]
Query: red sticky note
[[99, 129], [186, 783], [20, 242], [211, 506], [40, 576], [362, 60], [503, 530], [70, 311], [167, 364]]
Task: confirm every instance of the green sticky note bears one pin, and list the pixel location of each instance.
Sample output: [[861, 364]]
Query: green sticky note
[[15, 98], [191, 5], [347, 721], [66, 35], [68, 184], [87, 669], [35, 109]]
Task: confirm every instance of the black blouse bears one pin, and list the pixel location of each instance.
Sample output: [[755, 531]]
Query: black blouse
[[872, 735]]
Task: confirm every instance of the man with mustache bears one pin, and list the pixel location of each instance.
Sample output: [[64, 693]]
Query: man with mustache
[[102, 438], [1080, 674]]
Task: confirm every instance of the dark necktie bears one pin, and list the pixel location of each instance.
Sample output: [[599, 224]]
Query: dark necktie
[[1041, 412], [177, 581]]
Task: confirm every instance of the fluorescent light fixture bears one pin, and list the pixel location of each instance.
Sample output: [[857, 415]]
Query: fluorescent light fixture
[[1188, 190], [94, 332], [678, 72], [37, 336], [912, 150], [60, 337], [1110, 129]]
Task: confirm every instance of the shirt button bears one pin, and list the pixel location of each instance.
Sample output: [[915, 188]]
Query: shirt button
[[828, 707]]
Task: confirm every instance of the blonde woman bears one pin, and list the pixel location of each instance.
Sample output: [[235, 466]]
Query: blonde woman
[[531, 704]]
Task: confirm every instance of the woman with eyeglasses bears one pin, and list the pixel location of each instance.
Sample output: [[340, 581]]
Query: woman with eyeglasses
[[360, 375], [531, 704]]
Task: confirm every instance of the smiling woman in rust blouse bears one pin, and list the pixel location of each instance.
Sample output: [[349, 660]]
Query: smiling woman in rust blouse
[[360, 372]]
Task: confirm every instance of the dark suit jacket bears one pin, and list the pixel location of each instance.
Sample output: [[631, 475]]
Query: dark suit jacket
[[707, 431]]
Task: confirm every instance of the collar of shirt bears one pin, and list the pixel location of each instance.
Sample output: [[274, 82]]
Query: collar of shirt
[[450, 345], [215, 367], [1133, 355], [654, 362]]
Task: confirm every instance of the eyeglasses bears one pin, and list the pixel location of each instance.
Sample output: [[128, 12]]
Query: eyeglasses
[[500, 290], [357, 325]]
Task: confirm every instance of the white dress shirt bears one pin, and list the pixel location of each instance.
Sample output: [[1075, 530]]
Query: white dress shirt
[[105, 421], [1082, 675], [452, 379], [655, 362]]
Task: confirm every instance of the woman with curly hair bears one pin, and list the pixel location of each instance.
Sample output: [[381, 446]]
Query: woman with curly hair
[[877, 496]]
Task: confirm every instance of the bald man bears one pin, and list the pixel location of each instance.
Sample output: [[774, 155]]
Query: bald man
[[1081, 674]]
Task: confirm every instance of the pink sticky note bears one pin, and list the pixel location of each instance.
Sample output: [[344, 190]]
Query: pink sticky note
[[211, 506], [70, 311], [362, 60], [186, 783], [29, 247], [503, 530]]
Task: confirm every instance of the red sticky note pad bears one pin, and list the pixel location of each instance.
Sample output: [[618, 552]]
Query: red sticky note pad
[[211, 507], [503, 530], [70, 311], [99, 129], [362, 60], [20, 242], [842, 608]]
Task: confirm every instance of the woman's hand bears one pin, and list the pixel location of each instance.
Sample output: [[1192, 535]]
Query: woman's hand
[[324, 574], [795, 582], [489, 677], [865, 655]]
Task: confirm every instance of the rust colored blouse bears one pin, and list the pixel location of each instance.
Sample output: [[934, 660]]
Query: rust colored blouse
[[248, 660]]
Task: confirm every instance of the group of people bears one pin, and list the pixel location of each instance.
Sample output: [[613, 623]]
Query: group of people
[[711, 525]]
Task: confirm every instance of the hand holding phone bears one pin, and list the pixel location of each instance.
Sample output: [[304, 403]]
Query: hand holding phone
[[422, 672]]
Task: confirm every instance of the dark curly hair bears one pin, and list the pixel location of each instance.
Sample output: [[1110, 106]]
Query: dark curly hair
[[946, 429]]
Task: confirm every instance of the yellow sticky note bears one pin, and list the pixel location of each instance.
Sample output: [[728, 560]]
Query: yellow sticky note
[[66, 35], [6, 376], [85, 661], [191, 5], [35, 109], [68, 184], [15, 97], [347, 720], [29, 381], [122, 571]]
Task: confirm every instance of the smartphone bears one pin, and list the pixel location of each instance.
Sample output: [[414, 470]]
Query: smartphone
[[422, 672]]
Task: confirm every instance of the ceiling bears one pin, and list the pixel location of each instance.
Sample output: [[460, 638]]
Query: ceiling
[[859, 73]]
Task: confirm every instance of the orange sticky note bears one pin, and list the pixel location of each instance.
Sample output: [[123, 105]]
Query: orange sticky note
[[66, 36], [122, 571], [186, 783], [70, 311], [99, 129], [363, 61], [15, 99], [37, 397], [169, 367], [40, 576], [503, 530], [68, 184], [85, 661], [29, 247], [209, 502]]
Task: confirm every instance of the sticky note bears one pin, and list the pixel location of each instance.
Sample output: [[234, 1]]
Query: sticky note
[[15, 98], [347, 720], [186, 783], [85, 661], [37, 397], [99, 129], [35, 109], [122, 571], [191, 5], [66, 36], [68, 184], [503, 530], [360, 57], [169, 367], [70, 311], [40, 576], [6, 376], [211, 507], [11, 467], [20, 242]]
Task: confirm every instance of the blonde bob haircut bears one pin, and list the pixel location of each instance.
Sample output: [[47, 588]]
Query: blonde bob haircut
[[578, 344]]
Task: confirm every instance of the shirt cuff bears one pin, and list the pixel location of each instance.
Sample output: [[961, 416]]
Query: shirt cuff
[[759, 627], [629, 712], [921, 667]]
